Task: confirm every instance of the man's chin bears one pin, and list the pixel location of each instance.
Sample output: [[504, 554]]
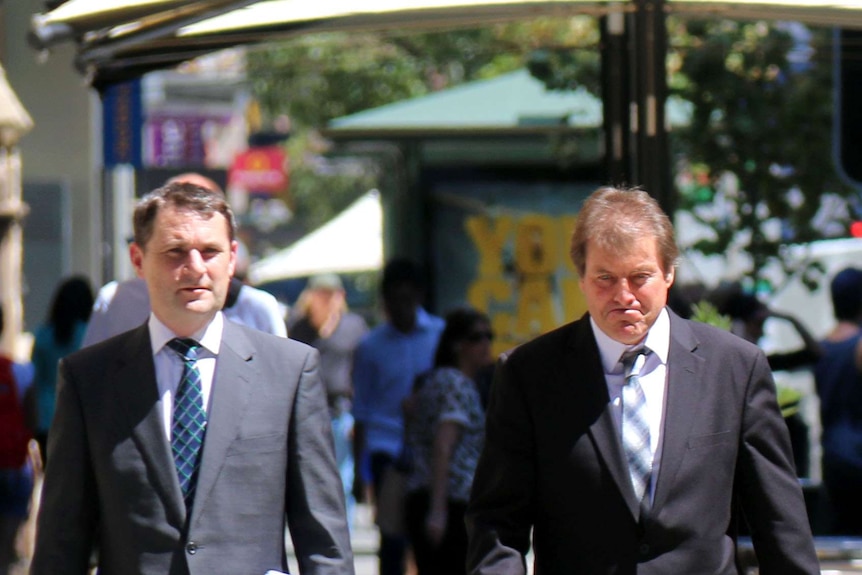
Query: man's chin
[[202, 306], [630, 334]]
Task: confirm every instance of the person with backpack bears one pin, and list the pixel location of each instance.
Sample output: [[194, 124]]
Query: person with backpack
[[16, 471]]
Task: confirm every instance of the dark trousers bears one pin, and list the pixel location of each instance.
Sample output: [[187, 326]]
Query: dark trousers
[[843, 483], [450, 556], [392, 547]]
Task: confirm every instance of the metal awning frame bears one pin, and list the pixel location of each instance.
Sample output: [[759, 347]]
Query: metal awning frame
[[117, 43]]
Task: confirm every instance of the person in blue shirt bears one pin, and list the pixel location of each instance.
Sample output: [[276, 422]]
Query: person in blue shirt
[[61, 334], [385, 364], [838, 377]]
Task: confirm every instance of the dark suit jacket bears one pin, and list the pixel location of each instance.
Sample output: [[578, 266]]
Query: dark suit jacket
[[268, 455], [553, 462]]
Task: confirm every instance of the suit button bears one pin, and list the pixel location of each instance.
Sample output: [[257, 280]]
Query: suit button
[[192, 548], [643, 549]]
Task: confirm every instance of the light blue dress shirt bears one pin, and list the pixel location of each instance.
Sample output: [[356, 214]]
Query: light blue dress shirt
[[384, 366]]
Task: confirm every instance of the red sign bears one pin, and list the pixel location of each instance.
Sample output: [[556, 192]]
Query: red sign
[[260, 170]]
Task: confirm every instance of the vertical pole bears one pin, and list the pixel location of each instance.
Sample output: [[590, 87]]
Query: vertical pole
[[616, 95], [123, 203], [649, 52]]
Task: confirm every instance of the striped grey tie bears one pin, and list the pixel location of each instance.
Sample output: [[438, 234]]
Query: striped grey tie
[[635, 426]]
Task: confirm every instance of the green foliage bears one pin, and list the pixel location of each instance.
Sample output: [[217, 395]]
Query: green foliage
[[788, 400], [706, 312], [315, 78], [563, 65], [756, 159]]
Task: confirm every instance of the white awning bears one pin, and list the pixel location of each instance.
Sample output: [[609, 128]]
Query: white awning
[[350, 242]]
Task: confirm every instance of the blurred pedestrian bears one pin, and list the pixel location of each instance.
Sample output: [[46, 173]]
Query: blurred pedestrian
[[632, 440], [445, 431], [385, 365], [16, 467], [60, 334], [749, 314], [324, 321], [838, 376]]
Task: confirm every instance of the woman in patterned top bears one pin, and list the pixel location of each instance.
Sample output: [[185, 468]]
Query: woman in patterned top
[[445, 433]]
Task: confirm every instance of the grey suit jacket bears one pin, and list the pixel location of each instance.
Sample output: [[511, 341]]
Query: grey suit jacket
[[553, 462], [267, 461]]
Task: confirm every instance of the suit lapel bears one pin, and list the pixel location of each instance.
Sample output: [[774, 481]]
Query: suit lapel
[[684, 383], [584, 359], [138, 401], [232, 387]]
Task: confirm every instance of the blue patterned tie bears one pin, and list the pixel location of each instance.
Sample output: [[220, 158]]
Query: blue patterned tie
[[635, 427], [189, 419]]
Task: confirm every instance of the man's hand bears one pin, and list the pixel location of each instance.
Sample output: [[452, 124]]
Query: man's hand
[[435, 526]]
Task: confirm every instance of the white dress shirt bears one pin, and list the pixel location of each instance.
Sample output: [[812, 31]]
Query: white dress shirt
[[169, 365], [653, 379]]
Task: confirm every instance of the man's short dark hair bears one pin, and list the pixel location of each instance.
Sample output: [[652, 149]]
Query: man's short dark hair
[[184, 196], [400, 271], [846, 289]]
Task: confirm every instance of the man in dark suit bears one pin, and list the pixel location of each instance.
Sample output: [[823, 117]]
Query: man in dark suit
[[190, 457], [634, 441]]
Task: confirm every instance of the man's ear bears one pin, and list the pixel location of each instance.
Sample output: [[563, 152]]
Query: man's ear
[[670, 276], [136, 255], [234, 248]]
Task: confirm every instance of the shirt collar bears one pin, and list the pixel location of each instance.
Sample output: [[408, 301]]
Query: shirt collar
[[424, 321], [657, 340], [209, 336]]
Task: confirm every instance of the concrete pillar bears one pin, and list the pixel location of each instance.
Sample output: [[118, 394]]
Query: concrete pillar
[[14, 123]]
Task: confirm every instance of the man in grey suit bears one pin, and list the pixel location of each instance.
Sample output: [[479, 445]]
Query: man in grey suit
[[632, 440], [186, 445]]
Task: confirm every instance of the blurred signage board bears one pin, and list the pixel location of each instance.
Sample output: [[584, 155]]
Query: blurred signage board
[[260, 170], [179, 138], [122, 122]]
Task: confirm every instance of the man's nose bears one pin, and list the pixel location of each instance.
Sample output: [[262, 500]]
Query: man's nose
[[624, 291], [195, 262]]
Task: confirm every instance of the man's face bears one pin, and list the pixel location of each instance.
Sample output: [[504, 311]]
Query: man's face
[[401, 302], [625, 291], [187, 264]]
